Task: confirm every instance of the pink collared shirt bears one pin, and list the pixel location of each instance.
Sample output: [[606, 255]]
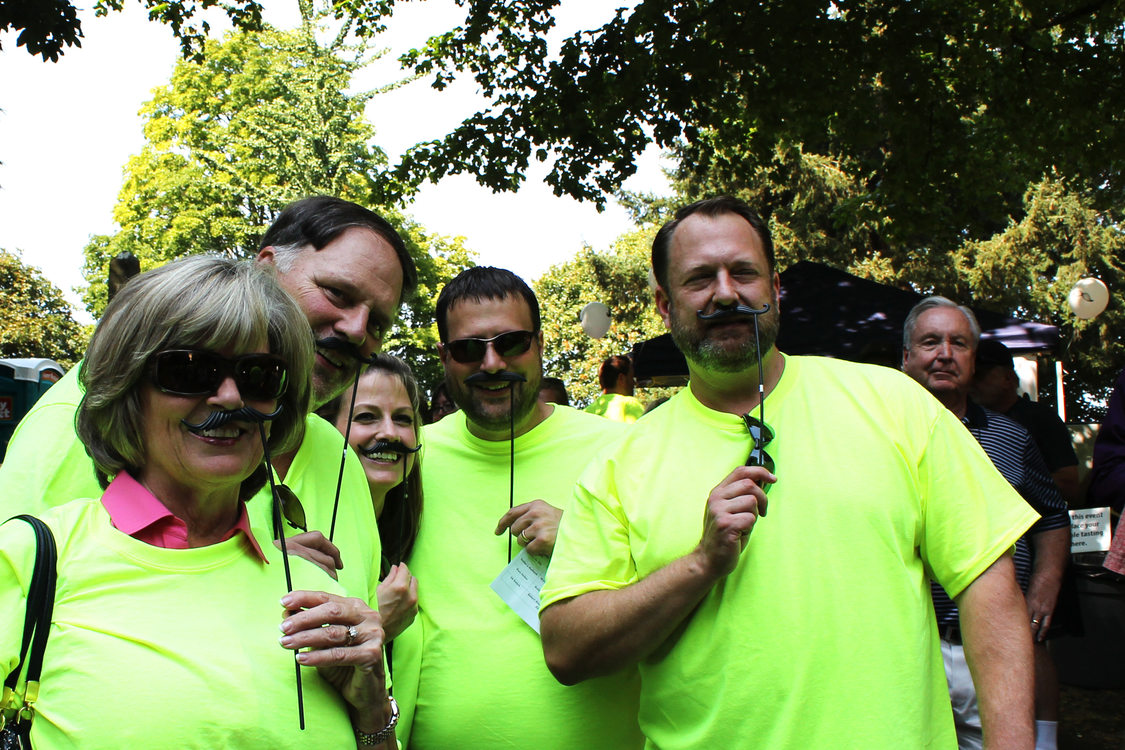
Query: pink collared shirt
[[135, 511]]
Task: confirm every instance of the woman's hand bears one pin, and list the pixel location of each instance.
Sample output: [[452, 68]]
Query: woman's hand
[[343, 638], [398, 600], [314, 547]]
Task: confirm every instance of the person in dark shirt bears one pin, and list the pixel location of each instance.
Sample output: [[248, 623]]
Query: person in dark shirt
[[996, 386]]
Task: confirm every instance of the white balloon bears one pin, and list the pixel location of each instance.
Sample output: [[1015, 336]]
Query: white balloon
[[595, 319], [1088, 298]]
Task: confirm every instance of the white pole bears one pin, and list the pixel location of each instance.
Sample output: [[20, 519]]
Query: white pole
[[1060, 394]]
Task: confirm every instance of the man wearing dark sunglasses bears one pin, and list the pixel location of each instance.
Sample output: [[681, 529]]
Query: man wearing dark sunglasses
[[939, 345], [348, 270], [495, 475], [808, 627]]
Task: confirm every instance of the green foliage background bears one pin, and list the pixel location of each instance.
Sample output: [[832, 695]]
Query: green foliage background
[[262, 119], [618, 278], [35, 319]]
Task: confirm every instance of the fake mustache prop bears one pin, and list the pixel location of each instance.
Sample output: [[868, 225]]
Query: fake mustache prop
[[478, 378], [217, 419], [730, 313], [383, 446], [338, 344]]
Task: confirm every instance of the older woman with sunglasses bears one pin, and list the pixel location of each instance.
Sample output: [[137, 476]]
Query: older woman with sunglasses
[[173, 626], [383, 427]]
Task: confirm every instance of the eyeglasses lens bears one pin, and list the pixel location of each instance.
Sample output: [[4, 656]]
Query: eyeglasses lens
[[291, 508], [190, 372], [510, 344]]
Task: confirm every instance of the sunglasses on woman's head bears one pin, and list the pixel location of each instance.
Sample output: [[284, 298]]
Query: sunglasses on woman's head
[[510, 344], [197, 372]]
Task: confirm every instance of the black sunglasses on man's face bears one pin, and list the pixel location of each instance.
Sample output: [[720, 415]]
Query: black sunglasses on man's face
[[470, 351]]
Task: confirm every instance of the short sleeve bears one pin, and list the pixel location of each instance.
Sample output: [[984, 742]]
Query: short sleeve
[[971, 515], [592, 549]]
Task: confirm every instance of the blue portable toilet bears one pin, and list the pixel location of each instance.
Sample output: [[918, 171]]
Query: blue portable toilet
[[22, 382]]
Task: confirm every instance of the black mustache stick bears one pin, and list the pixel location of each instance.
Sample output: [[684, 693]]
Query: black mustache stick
[[384, 446], [738, 311], [338, 344], [219, 418]]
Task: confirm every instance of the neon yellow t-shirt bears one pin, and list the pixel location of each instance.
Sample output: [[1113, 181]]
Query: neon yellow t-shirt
[[824, 635], [164, 648], [617, 407], [470, 673], [47, 465]]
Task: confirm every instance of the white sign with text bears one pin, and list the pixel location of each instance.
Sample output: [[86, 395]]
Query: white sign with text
[[1089, 530], [519, 584]]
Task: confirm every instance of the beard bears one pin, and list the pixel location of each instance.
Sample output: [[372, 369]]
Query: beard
[[497, 417], [729, 350]]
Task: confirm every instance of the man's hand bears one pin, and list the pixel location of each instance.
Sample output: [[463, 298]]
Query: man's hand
[[733, 508], [398, 600], [534, 525], [601, 632], [1052, 551], [314, 547]]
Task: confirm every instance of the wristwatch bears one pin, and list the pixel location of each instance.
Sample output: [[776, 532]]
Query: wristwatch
[[378, 738]]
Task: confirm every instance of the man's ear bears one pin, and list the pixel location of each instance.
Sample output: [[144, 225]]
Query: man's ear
[[664, 306], [442, 353], [267, 255]]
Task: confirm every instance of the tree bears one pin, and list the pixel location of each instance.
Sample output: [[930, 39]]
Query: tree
[[48, 26], [1028, 270], [617, 278], [265, 118], [941, 112], [35, 319]]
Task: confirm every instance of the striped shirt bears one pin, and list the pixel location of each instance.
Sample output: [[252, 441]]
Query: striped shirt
[[1014, 455]]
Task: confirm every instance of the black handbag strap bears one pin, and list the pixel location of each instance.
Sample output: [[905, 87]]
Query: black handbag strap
[[40, 603]]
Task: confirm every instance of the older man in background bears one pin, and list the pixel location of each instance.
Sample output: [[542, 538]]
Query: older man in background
[[940, 340]]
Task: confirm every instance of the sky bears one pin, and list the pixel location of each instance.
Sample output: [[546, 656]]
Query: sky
[[68, 128]]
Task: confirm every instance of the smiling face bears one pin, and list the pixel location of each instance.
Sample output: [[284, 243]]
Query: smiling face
[[183, 466], [716, 262], [383, 412], [941, 351], [487, 406], [350, 289]]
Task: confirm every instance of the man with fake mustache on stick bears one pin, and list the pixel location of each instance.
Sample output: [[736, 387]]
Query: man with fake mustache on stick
[[349, 271], [496, 475], [809, 627]]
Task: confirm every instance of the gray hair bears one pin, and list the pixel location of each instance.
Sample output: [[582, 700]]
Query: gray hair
[[202, 301], [929, 303]]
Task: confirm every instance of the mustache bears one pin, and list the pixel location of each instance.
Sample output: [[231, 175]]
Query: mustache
[[341, 345], [504, 376], [386, 446], [732, 313], [219, 418]]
